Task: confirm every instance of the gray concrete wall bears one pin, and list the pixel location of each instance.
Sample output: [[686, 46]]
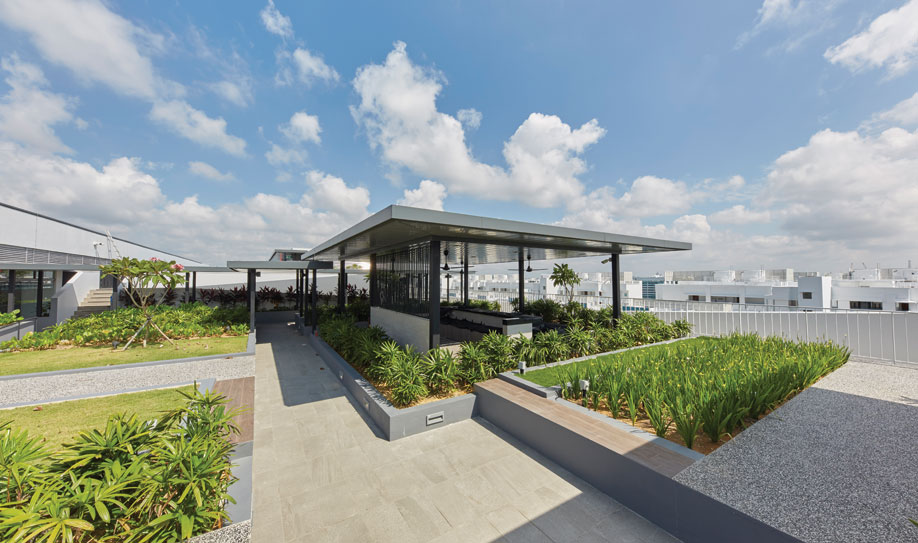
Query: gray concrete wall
[[394, 423], [16, 330], [405, 329], [684, 512]]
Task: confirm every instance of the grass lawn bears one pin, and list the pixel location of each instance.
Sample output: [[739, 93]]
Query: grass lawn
[[91, 357], [60, 422]]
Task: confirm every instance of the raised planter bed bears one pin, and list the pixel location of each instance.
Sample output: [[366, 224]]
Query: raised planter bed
[[16, 330], [393, 422]]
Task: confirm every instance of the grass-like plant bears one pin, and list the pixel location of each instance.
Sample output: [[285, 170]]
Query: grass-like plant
[[714, 385], [133, 480]]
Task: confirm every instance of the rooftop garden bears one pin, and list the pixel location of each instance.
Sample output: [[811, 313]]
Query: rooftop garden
[[406, 377], [700, 392], [131, 480]]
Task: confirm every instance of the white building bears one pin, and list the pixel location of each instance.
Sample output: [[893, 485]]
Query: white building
[[876, 289]]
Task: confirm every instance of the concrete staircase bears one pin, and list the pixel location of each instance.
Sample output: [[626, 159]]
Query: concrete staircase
[[96, 301]]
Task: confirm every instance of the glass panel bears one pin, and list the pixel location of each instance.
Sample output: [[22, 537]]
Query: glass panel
[[402, 280]]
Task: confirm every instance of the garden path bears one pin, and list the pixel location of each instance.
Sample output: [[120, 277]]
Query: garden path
[[836, 463], [321, 472]]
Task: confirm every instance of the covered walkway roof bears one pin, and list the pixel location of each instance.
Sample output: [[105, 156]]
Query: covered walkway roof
[[484, 240]]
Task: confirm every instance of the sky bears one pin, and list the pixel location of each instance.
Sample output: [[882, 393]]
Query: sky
[[768, 134]]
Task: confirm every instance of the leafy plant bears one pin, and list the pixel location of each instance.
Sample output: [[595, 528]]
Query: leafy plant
[[10, 318], [565, 277], [132, 481]]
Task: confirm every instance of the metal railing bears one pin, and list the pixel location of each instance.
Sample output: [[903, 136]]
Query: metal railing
[[881, 335]]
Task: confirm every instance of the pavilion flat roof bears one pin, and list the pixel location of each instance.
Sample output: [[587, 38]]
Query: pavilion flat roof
[[236, 265], [483, 240]]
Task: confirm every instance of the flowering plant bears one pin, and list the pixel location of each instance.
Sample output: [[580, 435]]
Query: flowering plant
[[143, 278]]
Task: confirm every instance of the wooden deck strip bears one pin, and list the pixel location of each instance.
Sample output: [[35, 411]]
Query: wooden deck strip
[[660, 459], [241, 393]]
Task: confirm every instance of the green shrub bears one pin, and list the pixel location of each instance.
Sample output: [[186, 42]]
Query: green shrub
[[186, 321], [131, 481], [709, 385], [9, 318]]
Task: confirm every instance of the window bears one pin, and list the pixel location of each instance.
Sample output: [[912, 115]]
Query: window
[[792, 303], [755, 301], [695, 298], [725, 299], [901, 306], [806, 295], [865, 305]]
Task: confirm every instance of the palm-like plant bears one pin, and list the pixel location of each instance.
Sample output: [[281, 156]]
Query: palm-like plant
[[565, 277]]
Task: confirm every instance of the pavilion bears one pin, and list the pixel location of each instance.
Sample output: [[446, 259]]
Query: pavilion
[[407, 248]]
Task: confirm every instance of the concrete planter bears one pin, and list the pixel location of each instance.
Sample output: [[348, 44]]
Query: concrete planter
[[395, 423], [16, 330]]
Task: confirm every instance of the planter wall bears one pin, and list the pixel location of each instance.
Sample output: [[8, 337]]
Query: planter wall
[[393, 422], [16, 330]]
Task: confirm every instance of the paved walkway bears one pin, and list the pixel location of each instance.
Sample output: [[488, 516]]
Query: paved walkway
[[322, 473], [838, 462]]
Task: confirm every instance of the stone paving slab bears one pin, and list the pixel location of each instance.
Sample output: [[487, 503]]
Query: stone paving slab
[[322, 472], [837, 463]]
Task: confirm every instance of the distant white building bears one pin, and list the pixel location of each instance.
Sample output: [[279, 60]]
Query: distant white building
[[503, 287], [877, 289]]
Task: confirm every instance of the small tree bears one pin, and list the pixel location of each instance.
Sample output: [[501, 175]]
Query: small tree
[[143, 278], [563, 276]]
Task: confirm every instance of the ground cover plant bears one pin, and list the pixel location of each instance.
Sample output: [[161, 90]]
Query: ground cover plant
[[187, 321], [406, 376], [68, 358], [133, 480], [711, 387], [54, 424]]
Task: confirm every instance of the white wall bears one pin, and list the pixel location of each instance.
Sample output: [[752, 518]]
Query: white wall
[[67, 299], [24, 229], [405, 329]]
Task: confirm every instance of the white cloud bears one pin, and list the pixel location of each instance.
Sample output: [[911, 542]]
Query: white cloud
[[283, 156], [891, 41], [398, 111], [857, 189], [905, 113], [304, 66], [470, 118], [90, 40], [800, 19], [740, 214], [98, 45], [80, 192], [239, 94], [428, 195], [195, 125], [275, 22], [648, 196], [28, 113], [333, 194], [301, 128], [204, 169]]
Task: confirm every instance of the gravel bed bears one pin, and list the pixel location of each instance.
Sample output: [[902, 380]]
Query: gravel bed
[[836, 463], [30, 390], [234, 533]]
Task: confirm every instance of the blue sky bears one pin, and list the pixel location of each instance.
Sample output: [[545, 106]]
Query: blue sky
[[780, 133]]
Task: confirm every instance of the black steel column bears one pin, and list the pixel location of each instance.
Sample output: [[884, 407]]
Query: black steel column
[[465, 279], [433, 292], [11, 289], [374, 287], [342, 286], [616, 289], [251, 287], [187, 284], [194, 286], [296, 291], [522, 284], [39, 294], [314, 320]]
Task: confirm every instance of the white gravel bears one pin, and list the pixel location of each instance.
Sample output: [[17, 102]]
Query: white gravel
[[31, 390]]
